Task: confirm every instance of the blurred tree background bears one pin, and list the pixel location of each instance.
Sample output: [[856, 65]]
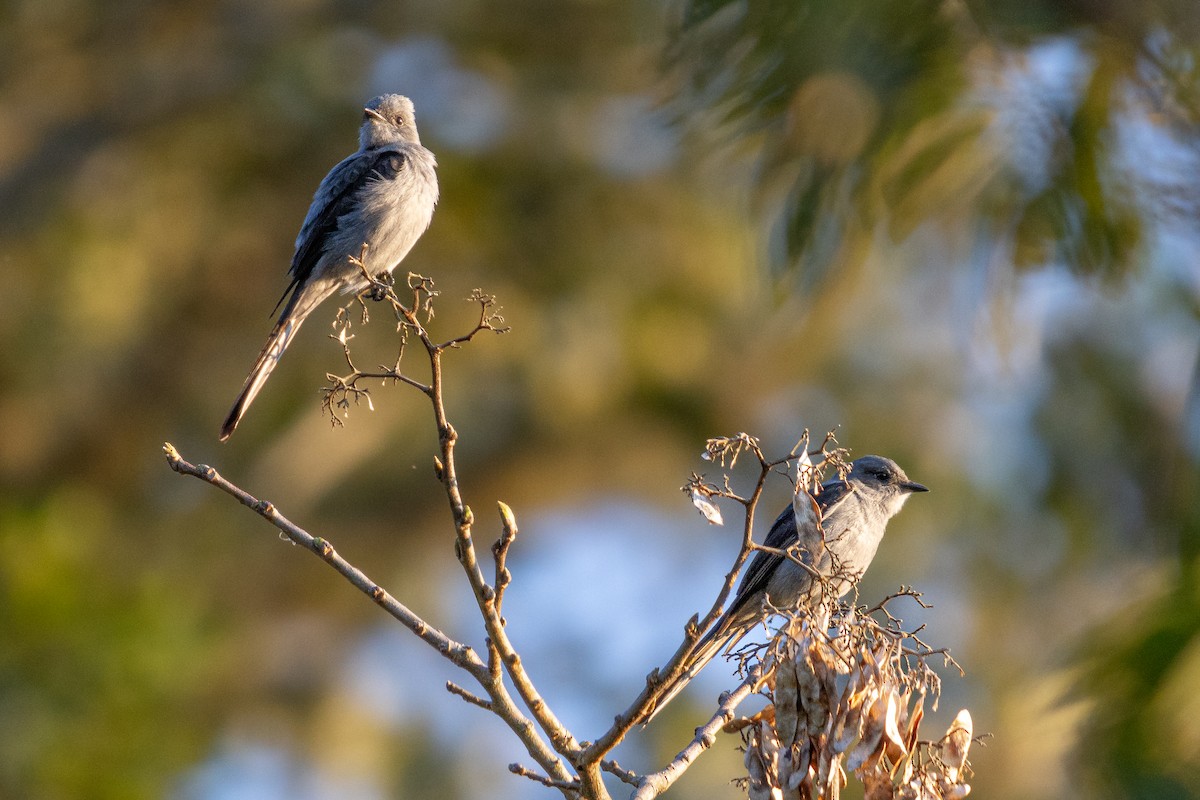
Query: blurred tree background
[[963, 231]]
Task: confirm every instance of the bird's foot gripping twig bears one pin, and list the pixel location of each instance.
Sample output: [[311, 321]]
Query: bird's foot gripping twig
[[379, 286]]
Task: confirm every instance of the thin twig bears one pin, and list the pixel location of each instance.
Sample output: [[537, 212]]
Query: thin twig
[[627, 776], [524, 772], [473, 699], [508, 535]]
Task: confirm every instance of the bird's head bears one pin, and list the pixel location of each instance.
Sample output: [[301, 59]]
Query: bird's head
[[388, 119], [883, 478]]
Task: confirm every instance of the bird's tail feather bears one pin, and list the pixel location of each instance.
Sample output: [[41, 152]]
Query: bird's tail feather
[[706, 649], [298, 307]]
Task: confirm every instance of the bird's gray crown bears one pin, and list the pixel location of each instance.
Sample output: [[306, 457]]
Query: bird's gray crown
[[882, 473], [388, 119]]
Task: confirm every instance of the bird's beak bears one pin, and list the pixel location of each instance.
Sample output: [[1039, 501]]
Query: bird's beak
[[913, 486], [370, 112]]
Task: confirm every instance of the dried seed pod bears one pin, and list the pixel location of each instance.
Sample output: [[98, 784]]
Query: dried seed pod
[[809, 700], [791, 774], [787, 706], [759, 785]]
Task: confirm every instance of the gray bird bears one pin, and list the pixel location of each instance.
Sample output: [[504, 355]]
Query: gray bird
[[854, 515], [381, 197]]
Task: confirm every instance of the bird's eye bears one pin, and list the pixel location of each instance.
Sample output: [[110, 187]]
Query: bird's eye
[[882, 474], [398, 122]]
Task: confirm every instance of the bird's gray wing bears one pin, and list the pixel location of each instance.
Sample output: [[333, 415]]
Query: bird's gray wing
[[781, 536], [338, 195], [832, 494]]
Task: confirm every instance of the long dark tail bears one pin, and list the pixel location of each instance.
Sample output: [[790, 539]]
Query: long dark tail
[[299, 306], [706, 649]]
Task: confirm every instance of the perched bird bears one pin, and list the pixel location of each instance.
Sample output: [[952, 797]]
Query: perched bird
[[853, 516], [373, 206]]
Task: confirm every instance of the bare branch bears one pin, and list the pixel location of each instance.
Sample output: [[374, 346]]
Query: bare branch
[[485, 595], [459, 653], [656, 783], [501, 702], [500, 649]]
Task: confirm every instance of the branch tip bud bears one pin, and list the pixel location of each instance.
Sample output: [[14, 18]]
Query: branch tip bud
[[507, 516]]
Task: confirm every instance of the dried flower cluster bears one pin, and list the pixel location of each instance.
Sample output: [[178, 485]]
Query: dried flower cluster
[[848, 694]]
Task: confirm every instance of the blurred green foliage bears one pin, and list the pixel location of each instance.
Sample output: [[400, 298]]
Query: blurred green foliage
[[963, 231], [904, 114]]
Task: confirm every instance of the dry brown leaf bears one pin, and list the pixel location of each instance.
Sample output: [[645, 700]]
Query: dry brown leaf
[[869, 747], [735, 725], [914, 722], [877, 786], [706, 507], [893, 738], [956, 745], [903, 771]]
